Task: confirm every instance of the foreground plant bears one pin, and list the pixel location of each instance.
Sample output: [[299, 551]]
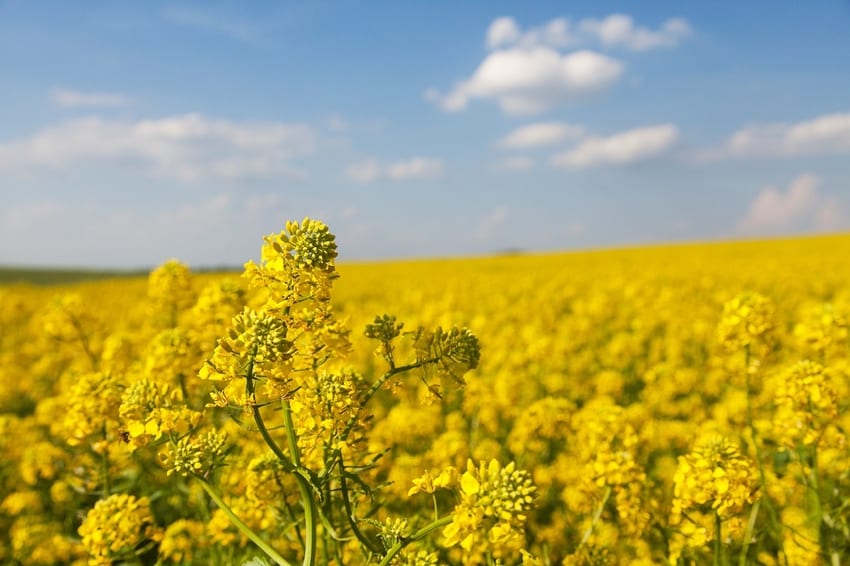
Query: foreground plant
[[280, 371]]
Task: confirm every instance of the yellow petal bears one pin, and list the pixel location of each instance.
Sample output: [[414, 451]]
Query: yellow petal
[[469, 484]]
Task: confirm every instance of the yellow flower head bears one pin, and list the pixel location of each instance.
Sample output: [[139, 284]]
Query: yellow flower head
[[714, 476], [116, 526], [257, 342], [806, 402], [746, 319]]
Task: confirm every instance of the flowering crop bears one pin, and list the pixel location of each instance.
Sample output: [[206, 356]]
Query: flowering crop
[[681, 405]]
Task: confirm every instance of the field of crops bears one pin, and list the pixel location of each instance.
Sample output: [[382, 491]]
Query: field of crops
[[683, 404]]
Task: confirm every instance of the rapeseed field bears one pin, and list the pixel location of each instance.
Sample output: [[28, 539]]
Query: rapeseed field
[[660, 405]]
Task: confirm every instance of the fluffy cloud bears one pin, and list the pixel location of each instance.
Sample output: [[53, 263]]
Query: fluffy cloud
[[614, 31], [187, 148], [539, 135], [370, 171], [503, 31], [801, 206], [527, 72], [827, 134], [529, 81], [620, 30], [622, 148], [76, 99], [506, 32]]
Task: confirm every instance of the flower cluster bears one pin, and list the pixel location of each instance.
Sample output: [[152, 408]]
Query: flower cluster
[[806, 403], [712, 484], [256, 347], [117, 527], [150, 410], [492, 510], [198, 456], [747, 319]]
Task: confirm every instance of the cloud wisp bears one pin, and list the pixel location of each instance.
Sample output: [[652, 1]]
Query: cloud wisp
[[828, 134], [68, 98], [415, 168], [622, 148], [613, 31], [620, 30], [540, 134], [186, 148], [800, 207]]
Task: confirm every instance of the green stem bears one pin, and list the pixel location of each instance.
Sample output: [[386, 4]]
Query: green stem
[[596, 516], [750, 421], [823, 526], [84, 340], [751, 524], [107, 486], [258, 417], [421, 533], [717, 536], [304, 487], [290, 434], [352, 520], [377, 386], [243, 528]]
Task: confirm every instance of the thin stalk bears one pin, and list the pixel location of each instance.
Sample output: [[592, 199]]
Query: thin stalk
[[596, 516], [107, 487], [377, 386], [352, 521], [754, 439], [717, 536], [258, 418], [84, 340], [304, 487], [823, 526], [750, 421], [751, 524], [421, 533], [243, 528]]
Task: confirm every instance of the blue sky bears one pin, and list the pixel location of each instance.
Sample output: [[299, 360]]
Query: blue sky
[[134, 132]]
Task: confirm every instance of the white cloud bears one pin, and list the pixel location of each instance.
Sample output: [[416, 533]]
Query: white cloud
[[801, 206], [619, 30], [529, 81], [827, 134], [370, 171], [515, 163], [614, 31], [76, 99], [622, 148], [506, 32], [187, 148], [526, 72], [539, 135], [501, 32], [365, 172], [416, 168]]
